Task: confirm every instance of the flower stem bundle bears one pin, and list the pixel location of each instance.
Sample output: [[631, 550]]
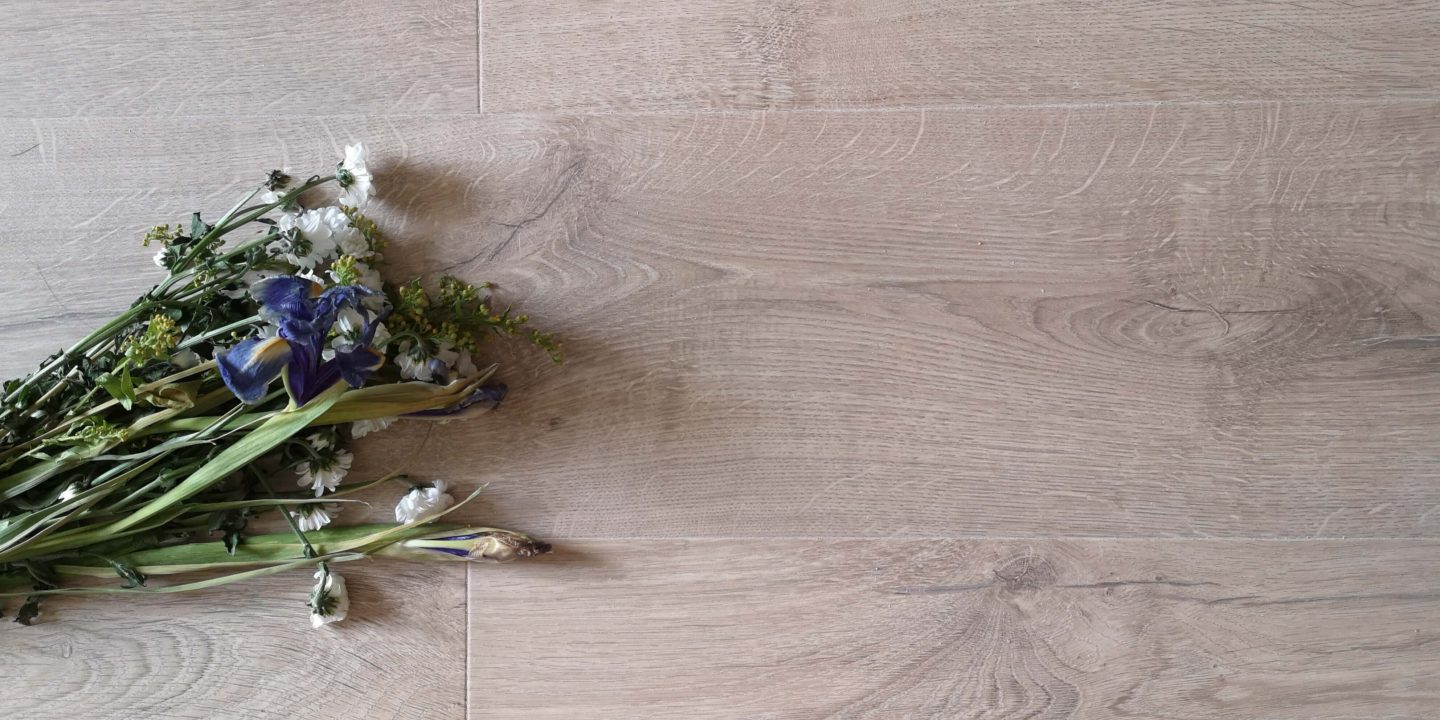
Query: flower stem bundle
[[234, 388]]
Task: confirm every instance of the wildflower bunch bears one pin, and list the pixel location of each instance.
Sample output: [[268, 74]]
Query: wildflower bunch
[[147, 447]]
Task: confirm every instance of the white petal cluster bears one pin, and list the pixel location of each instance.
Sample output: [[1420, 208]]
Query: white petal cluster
[[329, 601], [357, 185], [361, 428], [313, 516], [446, 364], [422, 502], [324, 476], [328, 232]]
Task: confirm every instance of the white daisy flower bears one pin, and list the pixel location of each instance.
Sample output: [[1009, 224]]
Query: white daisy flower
[[414, 365], [318, 243], [349, 324], [422, 502], [354, 176], [323, 475], [280, 179], [369, 277], [361, 428], [329, 602], [313, 516], [159, 258]]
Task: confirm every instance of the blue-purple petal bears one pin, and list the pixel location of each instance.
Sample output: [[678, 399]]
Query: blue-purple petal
[[491, 394], [356, 366], [251, 365]]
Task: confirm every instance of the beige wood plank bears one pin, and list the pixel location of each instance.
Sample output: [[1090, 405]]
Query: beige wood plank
[[248, 651], [960, 629], [608, 55], [1086, 321], [266, 57]]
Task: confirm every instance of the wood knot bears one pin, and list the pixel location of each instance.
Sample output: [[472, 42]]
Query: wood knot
[[1025, 573]]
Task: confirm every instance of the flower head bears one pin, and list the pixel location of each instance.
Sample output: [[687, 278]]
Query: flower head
[[313, 516], [422, 502], [325, 471], [354, 177], [482, 544], [329, 602], [302, 314], [277, 182], [361, 428], [414, 362]]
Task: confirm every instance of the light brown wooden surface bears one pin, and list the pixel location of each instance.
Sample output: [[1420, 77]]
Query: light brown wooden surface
[[618, 55], [1018, 360], [218, 654], [946, 629], [256, 59]]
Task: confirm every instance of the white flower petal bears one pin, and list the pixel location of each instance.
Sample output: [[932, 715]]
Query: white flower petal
[[361, 428], [422, 502]]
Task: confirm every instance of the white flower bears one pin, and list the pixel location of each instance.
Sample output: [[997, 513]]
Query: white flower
[[185, 359], [370, 278], [313, 516], [361, 428], [281, 180], [349, 325], [414, 365], [315, 244], [422, 502], [329, 602], [159, 258], [354, 176], [321, 475]]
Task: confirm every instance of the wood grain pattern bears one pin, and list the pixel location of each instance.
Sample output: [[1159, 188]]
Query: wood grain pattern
[[224, 654], [616, 55], [851, 289], [961, 629], [258, 58], [1167, 321]]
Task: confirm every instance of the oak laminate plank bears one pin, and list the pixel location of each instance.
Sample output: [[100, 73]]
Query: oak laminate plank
[[1186, 320], [1042, 629], [247, 651], [620, 55], [263, 58]]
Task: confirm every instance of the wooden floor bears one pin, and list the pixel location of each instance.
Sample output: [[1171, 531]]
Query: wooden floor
[[999, 359]]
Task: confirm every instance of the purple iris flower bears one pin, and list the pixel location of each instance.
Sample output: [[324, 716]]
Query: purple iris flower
[[303, 316]]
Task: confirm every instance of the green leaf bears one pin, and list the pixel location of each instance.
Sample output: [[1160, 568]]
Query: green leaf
[[197, 227], [231, 522], [259, 441], [121, 387]]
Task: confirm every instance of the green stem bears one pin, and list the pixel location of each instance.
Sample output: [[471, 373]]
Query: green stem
[[191, 342]]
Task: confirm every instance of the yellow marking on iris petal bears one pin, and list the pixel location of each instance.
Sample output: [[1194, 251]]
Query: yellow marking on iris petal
[[271, 350], [316, 289], [379, 358]]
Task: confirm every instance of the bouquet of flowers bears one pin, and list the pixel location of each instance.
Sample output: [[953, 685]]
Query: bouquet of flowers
[[145, 448]]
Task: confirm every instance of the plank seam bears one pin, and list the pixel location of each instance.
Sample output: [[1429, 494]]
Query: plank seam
[[954, 107], [465, 703], [479, 58]]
